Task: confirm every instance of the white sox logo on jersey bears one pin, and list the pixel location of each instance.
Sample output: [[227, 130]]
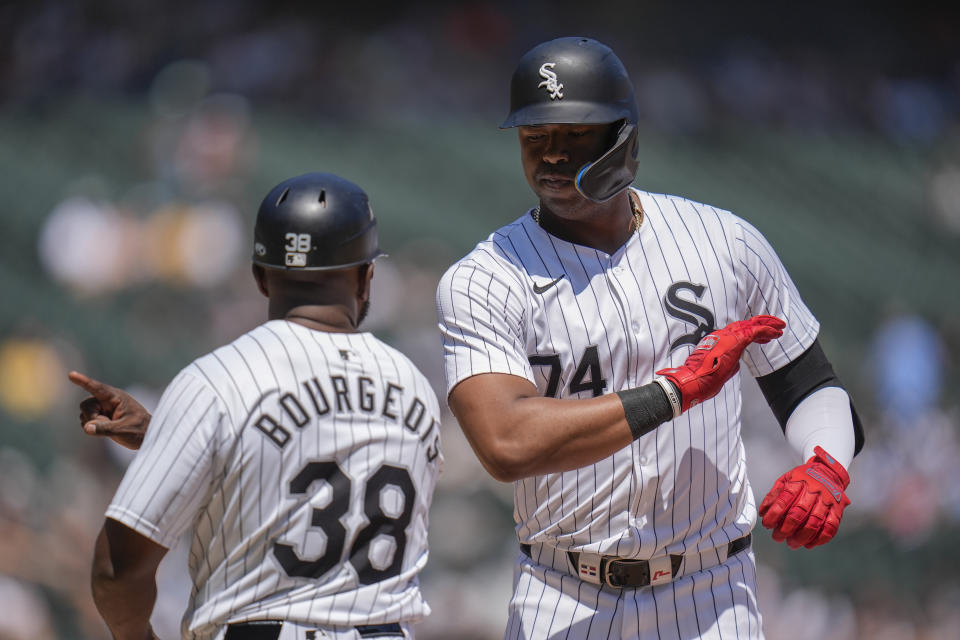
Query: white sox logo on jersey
[[550, 80], [689, 312]]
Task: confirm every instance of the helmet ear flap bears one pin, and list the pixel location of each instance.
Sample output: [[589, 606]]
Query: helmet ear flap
[[614, 170]]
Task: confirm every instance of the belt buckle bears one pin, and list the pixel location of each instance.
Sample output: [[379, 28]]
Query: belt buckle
[[608, 577], [653, 572]]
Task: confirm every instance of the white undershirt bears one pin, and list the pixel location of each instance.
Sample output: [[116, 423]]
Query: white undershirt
[[823, 418]]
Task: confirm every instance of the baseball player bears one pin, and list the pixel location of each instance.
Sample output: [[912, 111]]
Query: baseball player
[[571, 333], [301, 457]]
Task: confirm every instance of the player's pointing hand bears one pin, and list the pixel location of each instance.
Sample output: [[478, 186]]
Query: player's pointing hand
[[717, 358], [111, 412]]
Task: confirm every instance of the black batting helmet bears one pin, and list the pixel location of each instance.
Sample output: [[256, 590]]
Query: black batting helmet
[[313, 222], [577, 80]]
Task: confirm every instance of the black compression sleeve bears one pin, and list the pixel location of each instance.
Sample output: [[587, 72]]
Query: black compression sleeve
[[786, 387], [646, 408]]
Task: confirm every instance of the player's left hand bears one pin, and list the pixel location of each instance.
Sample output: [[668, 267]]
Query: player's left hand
[[111, 412], [805, 505], [717, 357]]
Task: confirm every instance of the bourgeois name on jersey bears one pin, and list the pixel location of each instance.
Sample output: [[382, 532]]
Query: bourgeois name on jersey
[[357, 395]]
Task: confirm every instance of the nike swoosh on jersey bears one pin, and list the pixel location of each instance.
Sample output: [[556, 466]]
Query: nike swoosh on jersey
[[540, 288]]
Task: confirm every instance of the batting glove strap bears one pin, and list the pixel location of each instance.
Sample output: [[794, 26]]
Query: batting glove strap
[[673, 394], [825, 458]]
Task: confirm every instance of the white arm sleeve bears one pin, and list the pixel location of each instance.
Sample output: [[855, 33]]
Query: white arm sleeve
[[823, 418]]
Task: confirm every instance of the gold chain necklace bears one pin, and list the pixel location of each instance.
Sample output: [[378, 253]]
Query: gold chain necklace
[[635, 205]]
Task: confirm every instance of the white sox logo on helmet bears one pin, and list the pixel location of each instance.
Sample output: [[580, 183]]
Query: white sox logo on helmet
[[550, 80]]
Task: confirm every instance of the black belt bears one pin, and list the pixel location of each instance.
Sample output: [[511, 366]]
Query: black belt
[[619, 572], [270, 630]]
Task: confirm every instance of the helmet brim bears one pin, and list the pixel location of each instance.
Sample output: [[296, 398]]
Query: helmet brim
[[566, 112], [332, 267]]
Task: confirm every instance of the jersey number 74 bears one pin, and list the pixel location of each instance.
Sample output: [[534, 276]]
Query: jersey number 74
[[589, 366]]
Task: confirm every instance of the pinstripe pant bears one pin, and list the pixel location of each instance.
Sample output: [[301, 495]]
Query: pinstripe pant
[[719, 603]]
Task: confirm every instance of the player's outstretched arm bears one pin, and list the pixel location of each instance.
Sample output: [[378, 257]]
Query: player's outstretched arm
[[517, 433], [805, 505], [111, 412]]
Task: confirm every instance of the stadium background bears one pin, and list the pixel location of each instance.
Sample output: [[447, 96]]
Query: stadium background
[[137, 138]]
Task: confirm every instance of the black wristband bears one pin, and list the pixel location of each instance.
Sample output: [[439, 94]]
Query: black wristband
[[645, 408]]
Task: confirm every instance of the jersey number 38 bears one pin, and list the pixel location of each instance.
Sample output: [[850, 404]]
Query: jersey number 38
[[327, 519]]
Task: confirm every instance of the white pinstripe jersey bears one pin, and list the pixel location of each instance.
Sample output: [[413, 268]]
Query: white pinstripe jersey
[[303, 463], [578, 322]]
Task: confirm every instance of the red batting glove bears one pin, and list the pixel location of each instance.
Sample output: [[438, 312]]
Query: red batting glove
[[805, 505], [717, 358]]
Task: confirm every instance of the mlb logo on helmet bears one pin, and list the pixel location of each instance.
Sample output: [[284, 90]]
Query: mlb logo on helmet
[[296, 260]]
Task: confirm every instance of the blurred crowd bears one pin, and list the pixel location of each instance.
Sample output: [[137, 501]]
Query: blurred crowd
[[819, 67], [159, 259]]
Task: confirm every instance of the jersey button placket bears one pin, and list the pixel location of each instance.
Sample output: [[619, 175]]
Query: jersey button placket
[[618, 272]]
